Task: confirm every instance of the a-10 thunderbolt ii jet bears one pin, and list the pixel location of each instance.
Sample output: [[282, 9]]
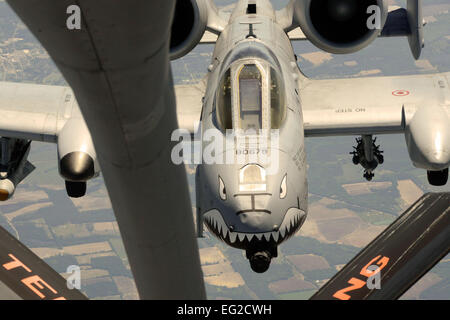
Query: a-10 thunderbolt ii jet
[[253, 86]]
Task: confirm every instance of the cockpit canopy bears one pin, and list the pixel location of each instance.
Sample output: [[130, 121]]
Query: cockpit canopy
[[250, 96]]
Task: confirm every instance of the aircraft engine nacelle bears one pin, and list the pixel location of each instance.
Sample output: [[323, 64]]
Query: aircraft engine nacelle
[[77, 160], [341, 26], [428, 138], [189, 25]]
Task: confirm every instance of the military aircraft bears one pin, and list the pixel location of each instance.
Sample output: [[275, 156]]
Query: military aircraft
[[254, 84]]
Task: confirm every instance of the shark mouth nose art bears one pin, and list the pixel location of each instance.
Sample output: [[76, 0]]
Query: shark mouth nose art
[[292, 221]]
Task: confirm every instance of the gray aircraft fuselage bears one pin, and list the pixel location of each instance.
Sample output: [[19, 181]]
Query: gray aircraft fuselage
[[252, 85]]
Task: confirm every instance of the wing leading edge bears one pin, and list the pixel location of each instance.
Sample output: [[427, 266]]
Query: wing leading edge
[[39, 112], [34, 112]]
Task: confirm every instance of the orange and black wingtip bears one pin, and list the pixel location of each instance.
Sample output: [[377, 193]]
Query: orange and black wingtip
[[24, 275], [399, 256]]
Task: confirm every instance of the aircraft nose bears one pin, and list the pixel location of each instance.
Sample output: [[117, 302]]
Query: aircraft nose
[[256, 220], [252, 211], [6, 189]]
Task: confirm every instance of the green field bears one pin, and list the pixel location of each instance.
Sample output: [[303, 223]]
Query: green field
[[301, 295]]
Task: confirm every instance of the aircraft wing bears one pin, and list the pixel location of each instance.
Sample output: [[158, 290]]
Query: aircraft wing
[[401, 254], [34, 112], [371, 105], [38, 112]]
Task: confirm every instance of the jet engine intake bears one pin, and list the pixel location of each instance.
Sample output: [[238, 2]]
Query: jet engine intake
[[188, 26], [341, 26]]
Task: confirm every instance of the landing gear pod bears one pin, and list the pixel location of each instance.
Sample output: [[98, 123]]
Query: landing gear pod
[[77, 158], [428, 140], [77, 166]]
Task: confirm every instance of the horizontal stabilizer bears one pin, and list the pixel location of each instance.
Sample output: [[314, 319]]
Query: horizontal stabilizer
[[398, 257], [407, 23], [397, 24]]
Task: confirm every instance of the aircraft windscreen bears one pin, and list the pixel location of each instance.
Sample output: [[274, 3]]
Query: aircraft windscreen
[[223, 110], [250, 98], [248, 89], [277, 100]]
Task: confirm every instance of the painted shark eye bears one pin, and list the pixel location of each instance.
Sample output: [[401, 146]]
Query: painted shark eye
[[283, 188], [222, 189]]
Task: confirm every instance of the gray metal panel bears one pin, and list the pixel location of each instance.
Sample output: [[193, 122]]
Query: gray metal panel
[[118, 67]]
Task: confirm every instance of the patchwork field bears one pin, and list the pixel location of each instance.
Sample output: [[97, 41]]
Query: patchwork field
[[87, 248], [306, 262], [409, 192], [355, 189], [333, 225], [290, 285]]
